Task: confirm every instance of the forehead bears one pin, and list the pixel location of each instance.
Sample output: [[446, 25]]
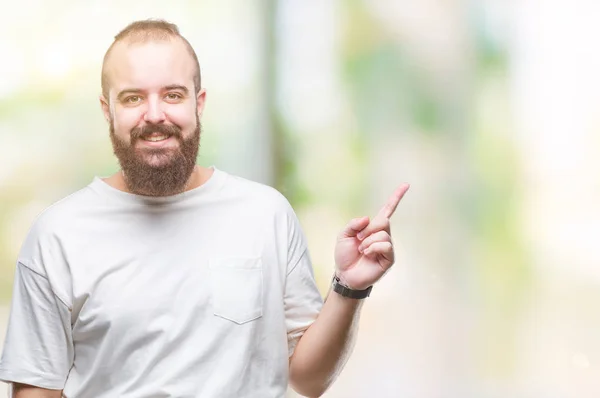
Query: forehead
[[149, 66]]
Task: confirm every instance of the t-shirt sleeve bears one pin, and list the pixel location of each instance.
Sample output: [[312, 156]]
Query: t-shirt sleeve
[[302, 299], [38, 349]]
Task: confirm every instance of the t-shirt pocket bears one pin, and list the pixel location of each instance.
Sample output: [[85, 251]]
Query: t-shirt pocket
[[236, 286]]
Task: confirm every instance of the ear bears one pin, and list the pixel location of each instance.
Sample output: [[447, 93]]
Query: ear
[[200, 101], [105, 107]]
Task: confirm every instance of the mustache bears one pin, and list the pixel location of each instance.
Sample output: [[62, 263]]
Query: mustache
[[147, 130]]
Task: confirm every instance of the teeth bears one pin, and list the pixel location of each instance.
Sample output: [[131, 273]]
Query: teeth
[[156, 138]]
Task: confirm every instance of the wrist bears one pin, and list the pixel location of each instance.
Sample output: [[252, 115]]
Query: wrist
[[343, 289]]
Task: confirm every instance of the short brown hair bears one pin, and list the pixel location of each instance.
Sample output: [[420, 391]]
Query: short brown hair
[[146, 30]]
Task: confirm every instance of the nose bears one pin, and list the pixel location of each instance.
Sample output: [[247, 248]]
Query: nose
[[154, 113]]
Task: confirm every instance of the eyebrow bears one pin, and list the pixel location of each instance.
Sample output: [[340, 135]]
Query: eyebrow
[[176, 87], [170, 87]]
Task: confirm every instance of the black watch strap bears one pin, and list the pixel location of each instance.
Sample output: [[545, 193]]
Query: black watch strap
[[345, 291]]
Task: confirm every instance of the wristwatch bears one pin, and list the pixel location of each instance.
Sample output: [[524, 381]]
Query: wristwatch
[[345, 291]]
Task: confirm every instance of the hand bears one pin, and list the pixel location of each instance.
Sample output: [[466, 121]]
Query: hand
[[364, 251]]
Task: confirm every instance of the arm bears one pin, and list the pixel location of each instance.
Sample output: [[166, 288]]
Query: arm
[[363, 254], [38, 350], [27, 391], [326, 346]]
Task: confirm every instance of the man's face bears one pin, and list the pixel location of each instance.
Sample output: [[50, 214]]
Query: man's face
[[154, 115]]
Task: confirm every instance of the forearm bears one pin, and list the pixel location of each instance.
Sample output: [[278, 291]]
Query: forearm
[[26, 391], [326, 345]]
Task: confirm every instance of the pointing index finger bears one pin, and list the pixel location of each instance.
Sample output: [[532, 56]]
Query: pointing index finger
[[390, 207]]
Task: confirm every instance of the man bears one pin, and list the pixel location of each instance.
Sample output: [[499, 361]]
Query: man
[[168, 279]]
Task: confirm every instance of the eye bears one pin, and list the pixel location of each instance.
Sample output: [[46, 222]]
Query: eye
[[173, 96], [133, 99]]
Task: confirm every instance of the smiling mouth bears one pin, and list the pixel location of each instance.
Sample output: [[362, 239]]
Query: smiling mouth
[[156, 137]]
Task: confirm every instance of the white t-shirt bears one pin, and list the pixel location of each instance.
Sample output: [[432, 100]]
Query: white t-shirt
[[201, 294]]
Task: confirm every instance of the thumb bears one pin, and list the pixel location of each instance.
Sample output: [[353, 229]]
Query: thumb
[[354, 227]]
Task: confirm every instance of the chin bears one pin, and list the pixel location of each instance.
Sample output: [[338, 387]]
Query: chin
[[160, 159]]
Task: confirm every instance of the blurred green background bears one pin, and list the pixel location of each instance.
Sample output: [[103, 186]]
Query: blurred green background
[[489, 108]]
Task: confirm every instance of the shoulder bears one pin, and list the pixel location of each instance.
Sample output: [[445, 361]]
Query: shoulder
[[256, 195], [61, 213], [45, 233]]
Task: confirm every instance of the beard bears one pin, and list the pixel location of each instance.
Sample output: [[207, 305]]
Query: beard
[[157, 171]]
